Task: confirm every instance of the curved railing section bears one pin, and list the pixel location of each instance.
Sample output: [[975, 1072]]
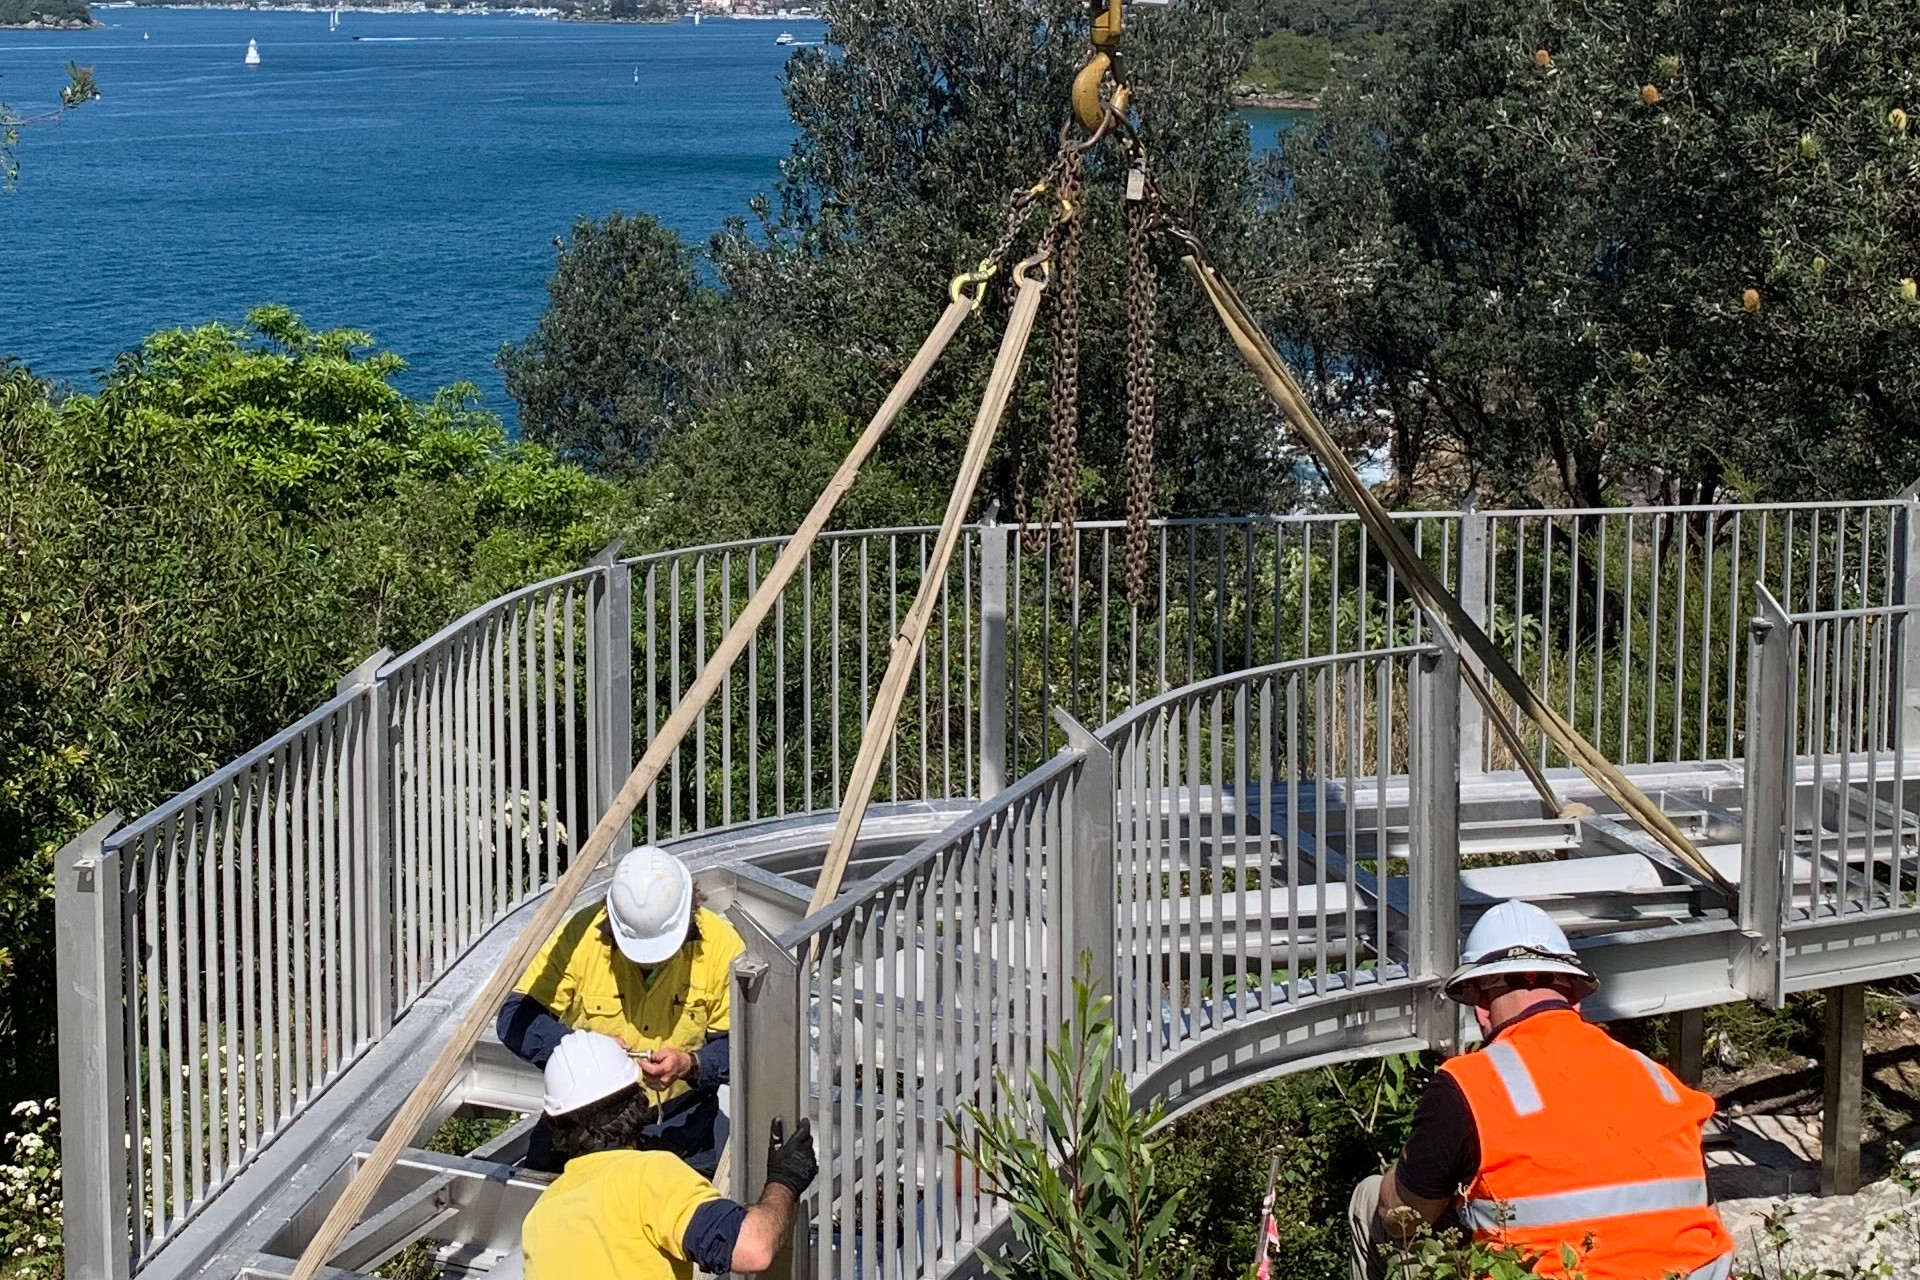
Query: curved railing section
[[225, 957]]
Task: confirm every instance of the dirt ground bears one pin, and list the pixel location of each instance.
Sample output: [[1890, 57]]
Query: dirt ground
[[1764, 1168]]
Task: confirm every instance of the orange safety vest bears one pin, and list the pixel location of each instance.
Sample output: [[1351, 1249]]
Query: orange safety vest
[[1581, 1136]]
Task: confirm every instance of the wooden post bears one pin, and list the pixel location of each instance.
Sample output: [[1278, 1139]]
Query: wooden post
[[1687, 1045], [1843, 1066]]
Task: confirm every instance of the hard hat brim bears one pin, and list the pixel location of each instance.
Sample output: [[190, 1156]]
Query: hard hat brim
[[1474, 970]]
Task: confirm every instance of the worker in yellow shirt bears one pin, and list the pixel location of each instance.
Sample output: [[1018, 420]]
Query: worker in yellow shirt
[[652, 968], [619, 1214]]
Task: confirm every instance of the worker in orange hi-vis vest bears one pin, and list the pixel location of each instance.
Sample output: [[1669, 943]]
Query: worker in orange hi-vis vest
[[1552, 1134]]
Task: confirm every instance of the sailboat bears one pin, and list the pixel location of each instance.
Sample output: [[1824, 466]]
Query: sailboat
[[636, 75], [253, 54], [333, 20]]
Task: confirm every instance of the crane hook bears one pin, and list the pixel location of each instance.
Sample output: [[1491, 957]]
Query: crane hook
[[1088, 109]]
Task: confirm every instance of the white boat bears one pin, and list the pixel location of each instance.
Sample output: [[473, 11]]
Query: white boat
[[333, 20], [696, 19], [253, 54], [785, 37]]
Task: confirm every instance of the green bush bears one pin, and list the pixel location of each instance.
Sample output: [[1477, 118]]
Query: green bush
[[195, 554], [1077, 1164], [30, 1191], [1286, 62], [1331, 1128]]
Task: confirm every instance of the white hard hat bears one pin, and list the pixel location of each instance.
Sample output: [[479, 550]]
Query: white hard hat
[[1518, 937], [649, 904], [586, 1067]]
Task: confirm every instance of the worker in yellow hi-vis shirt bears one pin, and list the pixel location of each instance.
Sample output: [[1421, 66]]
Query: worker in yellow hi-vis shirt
[[620, 1214], [650, 967]]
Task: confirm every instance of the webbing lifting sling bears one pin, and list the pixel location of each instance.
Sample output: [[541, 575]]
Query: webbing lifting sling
[[413, 1114], [1461, 630]]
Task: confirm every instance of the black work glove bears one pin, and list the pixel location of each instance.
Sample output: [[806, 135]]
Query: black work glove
[[791, 1163]]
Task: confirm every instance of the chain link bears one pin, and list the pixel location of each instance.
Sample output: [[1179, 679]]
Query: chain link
[[1142, 215], [1063, 496]]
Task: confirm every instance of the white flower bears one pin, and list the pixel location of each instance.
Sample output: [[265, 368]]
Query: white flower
[[31, 1142], [28, 1108]]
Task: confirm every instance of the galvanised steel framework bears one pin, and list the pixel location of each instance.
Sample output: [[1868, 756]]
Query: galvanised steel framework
[[1260, 853]]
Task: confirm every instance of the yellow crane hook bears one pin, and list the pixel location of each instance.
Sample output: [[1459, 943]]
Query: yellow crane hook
[[1088, 110]]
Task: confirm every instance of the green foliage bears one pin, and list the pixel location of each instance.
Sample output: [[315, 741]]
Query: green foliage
[[197, 552], [626, 348], [1076, 1163], [30, 1191], [80, 89], [1609, 248], [1454, 1255], [15, 13], [1287, 62], [916, 124], [1331, 1128]]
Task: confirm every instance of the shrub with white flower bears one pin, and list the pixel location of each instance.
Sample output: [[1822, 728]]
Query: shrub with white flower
[[30, 1191]]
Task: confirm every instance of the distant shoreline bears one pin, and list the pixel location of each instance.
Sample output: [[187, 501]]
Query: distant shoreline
[[435, 10], [1262, 101]]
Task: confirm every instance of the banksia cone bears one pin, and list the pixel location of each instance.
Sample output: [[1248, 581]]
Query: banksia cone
[[1820, 264], [1649, 95], [1898, 119], [1751, 300], [1809, 145], [1668, 65], [1541, 58], [1908, 289]]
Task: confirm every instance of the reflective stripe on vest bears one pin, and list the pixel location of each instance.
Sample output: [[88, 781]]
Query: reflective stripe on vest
[[1659, 1078], [1514, 1077], [1530, 1212]]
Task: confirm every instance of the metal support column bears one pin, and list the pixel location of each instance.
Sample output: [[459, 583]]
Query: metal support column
[[1092, 890], [768, 1062], [612, 716], [1907, 585], [1434, 836], [993, 655], [373, 823], [1766, 843], [93, 1086], [1687, 1045], [1843, 1066], [1471, 591]]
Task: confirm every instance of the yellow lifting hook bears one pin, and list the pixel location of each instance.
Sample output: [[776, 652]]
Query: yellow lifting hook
[[1088, 110]]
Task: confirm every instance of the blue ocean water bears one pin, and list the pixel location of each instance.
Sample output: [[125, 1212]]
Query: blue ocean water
[[408, 182]]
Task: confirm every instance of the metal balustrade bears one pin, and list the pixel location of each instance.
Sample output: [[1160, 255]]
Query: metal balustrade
[[1632, 620], [1258, 852]]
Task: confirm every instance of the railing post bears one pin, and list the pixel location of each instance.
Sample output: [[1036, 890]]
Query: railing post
[[769, 1061], [993, 655], [1471, 591], [1766, 843], [1433, 824], [1091, 890], [373, 806], [93, 1079], [612, 603], [1907, 586]]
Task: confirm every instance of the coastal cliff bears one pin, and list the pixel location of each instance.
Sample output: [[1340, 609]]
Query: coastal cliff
[[46, 15]]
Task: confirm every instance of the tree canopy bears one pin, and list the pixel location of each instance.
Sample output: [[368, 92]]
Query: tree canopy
[[197, 552], [917, 122], [1601, 249]]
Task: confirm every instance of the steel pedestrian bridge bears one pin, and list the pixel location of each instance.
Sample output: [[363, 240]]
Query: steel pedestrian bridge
[[1266, 850]]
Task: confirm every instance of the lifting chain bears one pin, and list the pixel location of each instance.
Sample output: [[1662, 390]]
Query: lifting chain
[[1063, 480], [1143, 214]]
